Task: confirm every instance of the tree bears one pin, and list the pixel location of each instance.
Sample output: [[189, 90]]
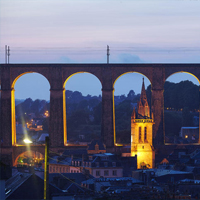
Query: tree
[[180, 95], [173, 123], [97, 113], [82, 105], [131, 95], [79, 117], [45, 124]]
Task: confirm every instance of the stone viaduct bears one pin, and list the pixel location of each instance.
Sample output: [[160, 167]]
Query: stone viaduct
[[58, 74]]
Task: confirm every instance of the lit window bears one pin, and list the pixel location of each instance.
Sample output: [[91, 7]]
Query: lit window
[[186, 136]]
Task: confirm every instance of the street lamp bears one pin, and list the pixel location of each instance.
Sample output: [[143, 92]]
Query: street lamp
[[46, 166], [27, 141], [46, 169]]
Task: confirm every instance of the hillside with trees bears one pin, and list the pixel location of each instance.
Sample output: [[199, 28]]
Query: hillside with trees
[[182, 103]]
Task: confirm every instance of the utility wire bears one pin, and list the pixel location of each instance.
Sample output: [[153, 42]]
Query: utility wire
[[77, 183], [73, 181], [101, 49]]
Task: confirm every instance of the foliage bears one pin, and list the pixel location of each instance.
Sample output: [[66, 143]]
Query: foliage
[[24, 109], [180, 95], [181, 100], [45, 124], [172, 123]]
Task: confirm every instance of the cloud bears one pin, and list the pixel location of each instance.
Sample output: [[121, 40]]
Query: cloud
[[127, 58], [65, 59]]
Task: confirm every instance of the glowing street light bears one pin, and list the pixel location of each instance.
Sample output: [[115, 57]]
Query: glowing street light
[[27, 141]]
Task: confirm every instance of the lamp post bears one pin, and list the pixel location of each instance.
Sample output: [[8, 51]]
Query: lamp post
[[46, 166], [46, 169]]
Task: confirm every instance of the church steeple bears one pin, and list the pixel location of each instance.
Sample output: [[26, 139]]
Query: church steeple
[[142, 133], [143, 106]]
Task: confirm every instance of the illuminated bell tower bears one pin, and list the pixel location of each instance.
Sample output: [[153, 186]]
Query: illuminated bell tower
[[142, 132]]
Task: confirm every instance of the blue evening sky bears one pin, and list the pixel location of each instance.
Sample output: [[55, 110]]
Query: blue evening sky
[[78, 31]]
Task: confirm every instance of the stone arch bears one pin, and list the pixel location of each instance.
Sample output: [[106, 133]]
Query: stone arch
[[79, 72], [129, 73], [29, 152], [13, 119], [182, 72], [64, 102], [148, 72], [114, 82], [28, 72]]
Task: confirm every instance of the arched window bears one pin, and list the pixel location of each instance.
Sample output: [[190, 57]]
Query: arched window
[[140, 134], [145, 134]]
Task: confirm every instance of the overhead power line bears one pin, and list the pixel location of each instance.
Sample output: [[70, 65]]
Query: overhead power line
[[84, 49]]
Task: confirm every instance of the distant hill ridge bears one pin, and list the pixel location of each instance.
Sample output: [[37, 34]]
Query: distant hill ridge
[[176, 95]]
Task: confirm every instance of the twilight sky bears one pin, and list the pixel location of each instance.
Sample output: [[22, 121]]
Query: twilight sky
[[78, 31]]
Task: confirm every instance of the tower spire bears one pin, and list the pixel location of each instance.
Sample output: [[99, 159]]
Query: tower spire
[[143, 96], [143, 106]]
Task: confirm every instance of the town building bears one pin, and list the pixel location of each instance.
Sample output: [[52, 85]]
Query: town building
[[96, 146], [99, 165], [111, 184], [59, 166]]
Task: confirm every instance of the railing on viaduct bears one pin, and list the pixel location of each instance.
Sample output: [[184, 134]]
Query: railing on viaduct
[[58, 74]]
